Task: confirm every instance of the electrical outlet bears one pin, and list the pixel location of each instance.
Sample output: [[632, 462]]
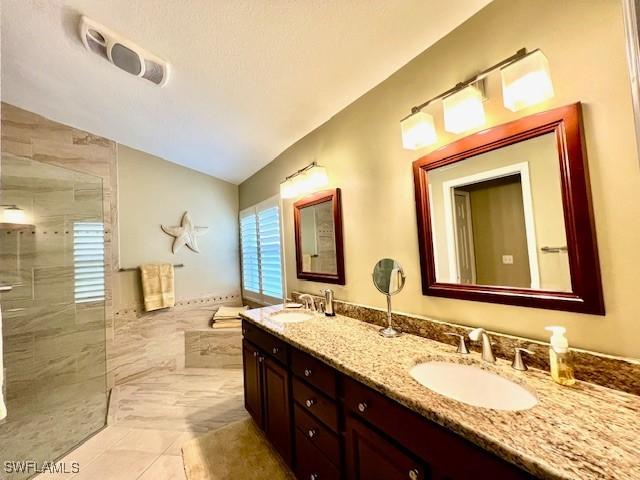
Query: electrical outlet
[[507, 259]]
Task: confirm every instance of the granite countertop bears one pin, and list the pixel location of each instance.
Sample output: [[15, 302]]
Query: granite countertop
[[579, 432]]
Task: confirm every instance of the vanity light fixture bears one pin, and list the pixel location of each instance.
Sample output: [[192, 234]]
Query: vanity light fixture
[[463, 110], [418, 131], [13, 214], [525, 80], [306, 180]]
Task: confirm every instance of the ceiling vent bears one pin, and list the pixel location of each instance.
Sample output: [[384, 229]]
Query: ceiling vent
[[123, 53]]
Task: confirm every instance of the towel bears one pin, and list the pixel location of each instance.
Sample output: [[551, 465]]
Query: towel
[[228, 312], [3, 407], [157, 286]]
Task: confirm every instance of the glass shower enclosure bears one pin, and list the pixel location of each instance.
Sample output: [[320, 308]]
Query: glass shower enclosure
[[53, 313]]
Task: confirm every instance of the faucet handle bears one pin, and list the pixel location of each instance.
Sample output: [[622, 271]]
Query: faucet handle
[[518, 362], [462, 344]]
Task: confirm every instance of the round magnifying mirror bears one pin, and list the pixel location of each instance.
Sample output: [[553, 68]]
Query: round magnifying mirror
[[388, 276]]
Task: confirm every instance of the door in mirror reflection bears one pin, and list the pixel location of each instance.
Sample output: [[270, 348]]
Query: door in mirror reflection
[[498, 218]]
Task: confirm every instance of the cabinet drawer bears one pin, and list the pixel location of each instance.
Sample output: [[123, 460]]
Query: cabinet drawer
[[310, 463], [314, 371], [315, 403], [316, 433], [269, 344]]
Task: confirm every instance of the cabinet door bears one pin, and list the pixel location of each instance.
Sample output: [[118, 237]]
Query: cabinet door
[[277, 408], [372, 457], [251, 360]]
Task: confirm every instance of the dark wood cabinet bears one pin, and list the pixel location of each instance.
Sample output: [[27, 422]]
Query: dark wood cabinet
[[277, 407], [328, 426], [251, 359], [267, 397], [372, 457]]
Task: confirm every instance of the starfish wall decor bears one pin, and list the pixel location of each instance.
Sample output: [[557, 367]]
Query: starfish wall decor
[[185, 234]]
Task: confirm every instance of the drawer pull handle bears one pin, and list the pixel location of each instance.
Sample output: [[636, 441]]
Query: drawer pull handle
[[244, 331], [311, 433], [307, 372], [255, 354], [310, 403], [275, 350], [362, 407], [260, 359], [413, 474], [314, 476]]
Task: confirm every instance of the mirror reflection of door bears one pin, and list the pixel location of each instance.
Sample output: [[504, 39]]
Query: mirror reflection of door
[[318, 239], [464, 237], [484, 212]]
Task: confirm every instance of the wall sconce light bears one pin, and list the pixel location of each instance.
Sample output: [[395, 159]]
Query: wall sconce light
[[463, 110], [13, 214], [526, 81], [418, 131], [307, 179]]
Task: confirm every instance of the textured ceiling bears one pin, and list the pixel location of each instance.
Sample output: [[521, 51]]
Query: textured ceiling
[[248, 79]]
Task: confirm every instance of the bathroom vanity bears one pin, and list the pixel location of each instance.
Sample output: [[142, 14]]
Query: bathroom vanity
[[335, 399]]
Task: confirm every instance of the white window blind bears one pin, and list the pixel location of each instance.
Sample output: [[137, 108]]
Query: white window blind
[[88, 261], [261, 250]]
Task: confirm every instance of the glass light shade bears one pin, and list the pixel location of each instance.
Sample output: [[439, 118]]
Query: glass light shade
[[418, 131], [315, 178], [463, 110], [526, 82], [14, 215], [289, 189]]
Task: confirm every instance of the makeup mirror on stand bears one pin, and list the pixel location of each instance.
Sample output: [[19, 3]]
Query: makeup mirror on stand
[[388, 277]]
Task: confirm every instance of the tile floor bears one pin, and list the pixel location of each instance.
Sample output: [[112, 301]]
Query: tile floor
[[150, 419]]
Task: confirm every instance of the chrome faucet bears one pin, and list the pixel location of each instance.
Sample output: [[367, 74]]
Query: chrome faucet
[[487, 352], [308, 301]]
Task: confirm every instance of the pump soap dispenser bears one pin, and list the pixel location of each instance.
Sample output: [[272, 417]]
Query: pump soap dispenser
[[559, 357]]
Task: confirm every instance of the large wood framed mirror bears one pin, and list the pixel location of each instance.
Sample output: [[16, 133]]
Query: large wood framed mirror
[[318, 229], [505, 216]]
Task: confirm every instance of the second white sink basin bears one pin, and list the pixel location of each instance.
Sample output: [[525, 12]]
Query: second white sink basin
[[287, 316], [473, 385]]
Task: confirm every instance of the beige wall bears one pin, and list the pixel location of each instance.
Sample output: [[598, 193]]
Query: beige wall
[[360, 146], [153, 192]]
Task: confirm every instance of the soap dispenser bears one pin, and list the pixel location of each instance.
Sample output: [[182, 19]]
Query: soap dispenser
[[559, 357]]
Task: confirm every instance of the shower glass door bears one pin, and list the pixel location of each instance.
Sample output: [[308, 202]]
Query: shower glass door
[[53, 316]]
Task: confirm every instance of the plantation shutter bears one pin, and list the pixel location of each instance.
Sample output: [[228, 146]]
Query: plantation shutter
[[261, 252], [270, 256], [88, 261], [249, 250]]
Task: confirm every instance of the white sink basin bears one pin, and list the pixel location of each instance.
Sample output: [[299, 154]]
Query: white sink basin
[[472, 385], [291, 317]]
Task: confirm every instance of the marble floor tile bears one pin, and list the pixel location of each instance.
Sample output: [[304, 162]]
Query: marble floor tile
[[166, 467], [142, 440], [176, 447], [117, 465]]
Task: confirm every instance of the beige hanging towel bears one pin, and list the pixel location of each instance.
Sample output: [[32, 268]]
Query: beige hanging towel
[[157, 286]]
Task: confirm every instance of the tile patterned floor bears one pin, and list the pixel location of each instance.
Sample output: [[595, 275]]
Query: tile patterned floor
[[149, 420]]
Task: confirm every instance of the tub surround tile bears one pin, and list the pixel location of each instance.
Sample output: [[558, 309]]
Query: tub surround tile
[[606, 370], [579, 433]]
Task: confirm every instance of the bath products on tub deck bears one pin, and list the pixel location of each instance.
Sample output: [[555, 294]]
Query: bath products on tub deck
[[560, 357]]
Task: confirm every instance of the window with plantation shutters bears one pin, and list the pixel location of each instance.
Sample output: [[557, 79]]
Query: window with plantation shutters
[[88, 261], [261, 251]]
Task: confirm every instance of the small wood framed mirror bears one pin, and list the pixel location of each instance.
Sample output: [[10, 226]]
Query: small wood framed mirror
[[505, 216], [318, 229]]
